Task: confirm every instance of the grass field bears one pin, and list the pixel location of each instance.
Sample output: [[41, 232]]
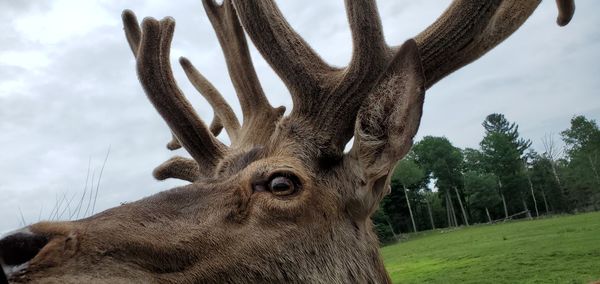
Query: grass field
[[562, 249]]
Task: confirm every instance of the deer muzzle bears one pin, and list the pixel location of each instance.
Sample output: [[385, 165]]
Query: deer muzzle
[[17, 249]]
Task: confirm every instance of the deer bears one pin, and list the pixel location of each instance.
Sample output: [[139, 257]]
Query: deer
[[283, 202]]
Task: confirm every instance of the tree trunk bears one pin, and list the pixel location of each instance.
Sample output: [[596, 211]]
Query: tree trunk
[[412, 218], [504, 204], [526, 208], [488, 215], [537, 212], [503, 199], [450, 210], [430, 214], [545, 202], [595, 170], [558, 182], [555, 174], [462, 208], [387, 220], [453, 212]]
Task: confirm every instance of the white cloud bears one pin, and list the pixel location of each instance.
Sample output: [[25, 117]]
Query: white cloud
[[29, 59], [63, 20]]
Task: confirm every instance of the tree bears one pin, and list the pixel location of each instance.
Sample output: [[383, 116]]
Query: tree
[[552, 153], [582, 141], [503, 153], [497, 123], [527, 166], [473, 160], [482, 190], [544, 183], [408, 173], [582, 135], [429, 198], [443, 162], [383, 228]]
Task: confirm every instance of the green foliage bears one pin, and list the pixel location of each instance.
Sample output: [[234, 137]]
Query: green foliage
[[396, 208], [482, 191], [382, 227], [583, 135], [546, 186], [503, 155], [497, 123], [582, 172], [440, 160], [552, 250], [473, 160], [504, 165], [408, 173]]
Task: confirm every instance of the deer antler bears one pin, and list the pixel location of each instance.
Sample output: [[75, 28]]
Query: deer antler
[[259, 116], [152, 54], [329, 98], [467, 30], [214, 98], [134, 35], [326, 99], [566, 9], [300, 68]]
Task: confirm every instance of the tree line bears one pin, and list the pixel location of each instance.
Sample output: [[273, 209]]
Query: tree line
[[438, 185]]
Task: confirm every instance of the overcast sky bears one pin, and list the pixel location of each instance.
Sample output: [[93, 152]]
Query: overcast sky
[[68, 89]]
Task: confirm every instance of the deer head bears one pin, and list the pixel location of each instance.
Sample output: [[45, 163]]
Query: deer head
[[283, 202]]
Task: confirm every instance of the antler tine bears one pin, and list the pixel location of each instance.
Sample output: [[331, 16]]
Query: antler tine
[[369, 51], [215, 128], [154, 72], [232, 39], [174, 143], [132, 30], [214, 98], [470, 28], [566, 9], [179, 168], [370, 57], [134, 35], [300, 68]]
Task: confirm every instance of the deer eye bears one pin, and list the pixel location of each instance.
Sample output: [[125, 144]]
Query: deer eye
[[282, 185]]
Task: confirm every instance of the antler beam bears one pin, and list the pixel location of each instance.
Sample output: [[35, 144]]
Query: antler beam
[[298, 65], [470, 28]]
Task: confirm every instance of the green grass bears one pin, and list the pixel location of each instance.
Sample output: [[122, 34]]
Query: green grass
[[562, 249]]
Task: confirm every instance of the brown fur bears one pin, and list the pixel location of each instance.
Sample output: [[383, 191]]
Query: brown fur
[[224, 227]]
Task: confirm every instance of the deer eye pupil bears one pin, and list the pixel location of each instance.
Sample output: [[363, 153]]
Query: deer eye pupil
[[282, 186]]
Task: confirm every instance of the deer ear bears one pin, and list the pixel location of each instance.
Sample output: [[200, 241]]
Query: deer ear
[[386, 123]]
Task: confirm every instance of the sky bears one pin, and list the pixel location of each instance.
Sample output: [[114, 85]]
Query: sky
[[69, 92]]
